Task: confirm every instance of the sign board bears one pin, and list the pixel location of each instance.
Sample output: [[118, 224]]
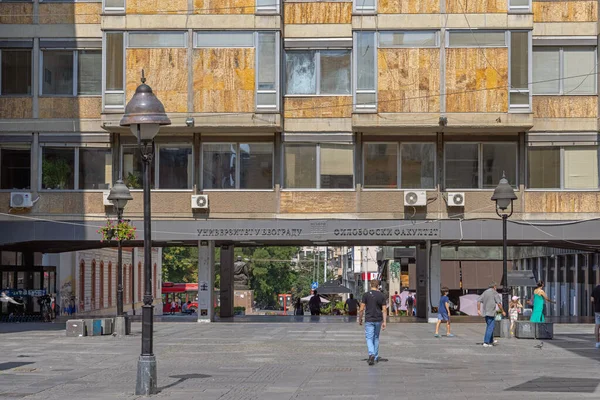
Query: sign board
[[315, 285], [203, 286], [24, 292]]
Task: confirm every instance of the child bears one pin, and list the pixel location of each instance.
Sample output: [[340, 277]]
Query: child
[[444, 313], [513, 312]]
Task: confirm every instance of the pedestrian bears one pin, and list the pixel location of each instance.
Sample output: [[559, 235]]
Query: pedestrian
[[443, 313], [596, 300], [410, 304], [298, 308], [539, 296], [374, 308], [173, 307], [314, 304], [490, 300], [396, 302], [513, 311], [351, 306]]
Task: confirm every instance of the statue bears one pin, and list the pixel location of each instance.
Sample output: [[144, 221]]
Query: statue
[[241, 274]]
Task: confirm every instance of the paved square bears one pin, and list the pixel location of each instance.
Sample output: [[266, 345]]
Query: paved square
[[283, 361]]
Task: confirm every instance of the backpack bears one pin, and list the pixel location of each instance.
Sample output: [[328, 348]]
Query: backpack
[[397, 300], [410, 301]]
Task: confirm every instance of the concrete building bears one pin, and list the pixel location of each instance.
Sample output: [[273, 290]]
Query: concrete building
[[340, 123]]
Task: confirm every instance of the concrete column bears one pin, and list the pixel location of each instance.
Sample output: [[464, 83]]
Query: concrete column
[[35, 164], [544, 261], [563, 278], [587, 287], [577, 299], [428, 266], [227, 281], [556, 287], [206, 280]]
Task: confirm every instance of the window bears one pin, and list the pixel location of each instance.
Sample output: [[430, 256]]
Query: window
[[267, 61], [267, 6], [476, 38], [223, 169], [365, 59], [157, 39], [321, 72], [519, 5], [318, 166], [175, 165], [16, 72], [114, 6], [519, 70], [568, 167], [114, 50], [564, 70], [479, 165], [408, 39], [365, 6], [68, 168], [15, 172], [71, 73], [394, 165], [224, 39], [132, 169]]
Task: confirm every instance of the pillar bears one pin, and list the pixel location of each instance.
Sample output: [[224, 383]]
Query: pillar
[[577, 298], [428, 268], [586, 286], [227, 281], [556, 287], [206, 280]]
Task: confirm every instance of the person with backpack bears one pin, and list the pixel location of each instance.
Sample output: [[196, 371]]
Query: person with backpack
[[410, 305], [314, 304], [374, 308], [396, 302]]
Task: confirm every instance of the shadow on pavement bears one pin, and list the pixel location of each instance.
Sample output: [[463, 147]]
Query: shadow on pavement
[[554, 384], [584, 345], [181, 379]]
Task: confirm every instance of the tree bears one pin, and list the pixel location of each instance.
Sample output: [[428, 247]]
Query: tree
[[180, 264], [272, 273]]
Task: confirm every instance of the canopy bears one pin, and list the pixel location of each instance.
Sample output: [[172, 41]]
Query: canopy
[[307, 299], [468, 304], [333, 287]]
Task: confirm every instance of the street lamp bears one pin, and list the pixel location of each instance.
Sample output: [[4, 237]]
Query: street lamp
[[120, 195], [504, 195], [144, 114]]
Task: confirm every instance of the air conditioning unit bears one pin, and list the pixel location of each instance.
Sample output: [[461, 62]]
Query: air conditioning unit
[[456, 199], [105, 200], [21, 200], [415, 198], [200, 201]]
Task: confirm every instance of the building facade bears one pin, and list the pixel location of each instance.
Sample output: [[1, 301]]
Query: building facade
[[304, 122]]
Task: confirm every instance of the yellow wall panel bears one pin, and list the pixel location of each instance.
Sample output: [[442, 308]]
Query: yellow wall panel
[[156, 6], [16, 13], [70, 13], [317, 202], [16, 107], [224, 6], [408, 7], [224, 80], [565, 11], [476, 6], [318, 107], [318, 13], [409, 80], [477, 80], [70, 107], [562, 202], [565, 106], [166, 72]]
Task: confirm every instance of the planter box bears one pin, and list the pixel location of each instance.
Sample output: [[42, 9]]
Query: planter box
[[532, 330], [76, 328], [93, 327]]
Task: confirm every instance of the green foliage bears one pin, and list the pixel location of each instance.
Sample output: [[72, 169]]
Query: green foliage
[[116, 230], [271, 273], [180, 264], [133, 180], [56, 173]]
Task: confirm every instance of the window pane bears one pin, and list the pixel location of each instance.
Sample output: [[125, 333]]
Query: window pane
[[335, 72], [95, 168], [89, 74], [267, 71], [224, 39], [407, 39], [219, 165], [519, 3], [256, 166], [365, 4], [175, 167], [114, 3], [58, 165], [581, 167], [337, 166], [418, 165], [381, 165], [365, 48], [16, 168], [578, 62], [58, 72], [300, 72], [543, 167], [499, 158], [519, 72], [546, 70], [461, 166], [470, 38], [133, 172], [162, 39], [300, 166], [16, 72], [114, 61], [519, 98]]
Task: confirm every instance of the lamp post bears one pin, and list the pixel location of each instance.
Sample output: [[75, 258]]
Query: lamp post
[[120, 195], [144, 114], [504, 195]]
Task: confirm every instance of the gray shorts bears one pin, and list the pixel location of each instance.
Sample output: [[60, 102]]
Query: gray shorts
[[597, 318]]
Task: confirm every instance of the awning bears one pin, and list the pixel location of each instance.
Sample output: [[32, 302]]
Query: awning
[[333, 287]]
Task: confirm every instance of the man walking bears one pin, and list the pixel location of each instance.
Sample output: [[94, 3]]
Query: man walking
[[596, 301], [314, 304], [410, 305], [374, 308], [490, 300], [396, 301], [351, 306]]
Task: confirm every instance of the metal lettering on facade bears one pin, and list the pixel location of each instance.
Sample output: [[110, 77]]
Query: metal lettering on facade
[[276, 232], [388, 232]]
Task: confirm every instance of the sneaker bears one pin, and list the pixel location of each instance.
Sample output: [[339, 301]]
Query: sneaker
[[371, 360], [436, 335], [495, 343], [450, 335], [487, 345], [598, 345]]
